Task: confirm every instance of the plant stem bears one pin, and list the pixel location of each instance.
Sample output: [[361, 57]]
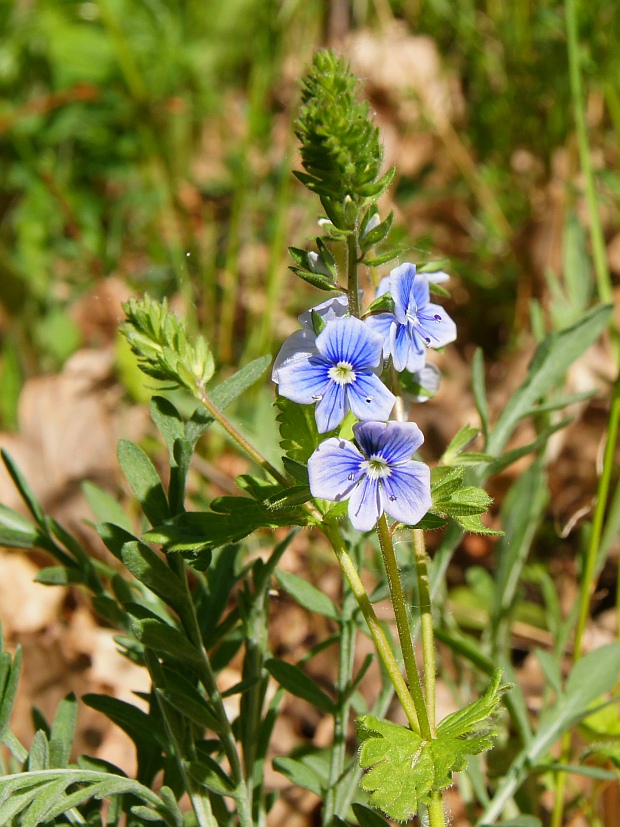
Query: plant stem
[[597, 237], [341, 718], [402, 624], [352, 276], [243, 443], [209, 681], [605, 292], [381, 642], [426, 626]]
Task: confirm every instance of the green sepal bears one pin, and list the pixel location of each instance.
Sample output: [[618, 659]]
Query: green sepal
[[318, 322], [383, 304]]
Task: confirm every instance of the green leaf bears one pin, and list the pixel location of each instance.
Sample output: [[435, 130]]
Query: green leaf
[[26, 492], [114, 537], [58, 576], [210, 775], [307, 595], [166, 639], [315, 279], [230, 389], [296, 469], [150, 569], [295, 681], [186, 699], [144, 481], [301, 775], [404, 770], [368, 818], [371, 238], [196, 531], [138, 725], [298, 431], [16, 531], [458, 444], [105, 507], [38, 757], [474, 525], [62, 733], [551, 360]]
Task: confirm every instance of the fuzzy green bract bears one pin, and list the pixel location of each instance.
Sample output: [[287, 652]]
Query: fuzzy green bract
[[404, 770]]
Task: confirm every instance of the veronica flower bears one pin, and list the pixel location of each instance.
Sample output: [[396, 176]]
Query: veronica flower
[[305, 338], [336, 369], [381, 477], [416, 322]]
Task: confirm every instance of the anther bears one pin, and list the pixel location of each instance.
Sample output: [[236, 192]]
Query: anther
[[369, 398], [351, 476], [437, 317], [317, 397], [392, 498]]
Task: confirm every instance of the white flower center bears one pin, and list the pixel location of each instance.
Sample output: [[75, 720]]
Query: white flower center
[[342, 373], [376, 467]]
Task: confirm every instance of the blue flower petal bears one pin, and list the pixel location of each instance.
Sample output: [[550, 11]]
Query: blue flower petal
[[328, 310], [401, 343], [420, 291], [369, 398], [299, 346], [396, 442], [406, 494], [332, 408], [350, 340], [365, 504], [303, 379], [417, 352], [402, 281], [381, 324], [437, 325], [334, 469]]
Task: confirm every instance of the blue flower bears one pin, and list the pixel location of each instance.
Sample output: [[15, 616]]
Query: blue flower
[[336, 369], [381, 477], [304, 339], [416, 322]]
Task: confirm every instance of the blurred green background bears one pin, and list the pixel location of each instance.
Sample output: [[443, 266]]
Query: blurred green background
[[148, 144]]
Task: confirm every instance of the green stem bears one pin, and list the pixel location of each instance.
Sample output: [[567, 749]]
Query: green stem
[[352, 276], [605, 293], [588, 578], [426, 626], [241, 441], [209, 681], [597, 237], [341, 718], [380, 640], [402, 624]]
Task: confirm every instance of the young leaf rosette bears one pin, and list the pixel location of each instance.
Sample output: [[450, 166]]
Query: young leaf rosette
[[377, 477]]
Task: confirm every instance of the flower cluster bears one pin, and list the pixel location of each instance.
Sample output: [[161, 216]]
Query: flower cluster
[[335, 362]]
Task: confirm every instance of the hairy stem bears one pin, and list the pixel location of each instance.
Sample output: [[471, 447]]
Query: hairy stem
[[352, 277], [402, 624], [381, 642], [241, 441]]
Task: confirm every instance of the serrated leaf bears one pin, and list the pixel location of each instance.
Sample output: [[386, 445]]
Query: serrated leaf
[[404, 770], [307, 595], [430, 522], [474, 524], [299, 435], [295, 681]]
